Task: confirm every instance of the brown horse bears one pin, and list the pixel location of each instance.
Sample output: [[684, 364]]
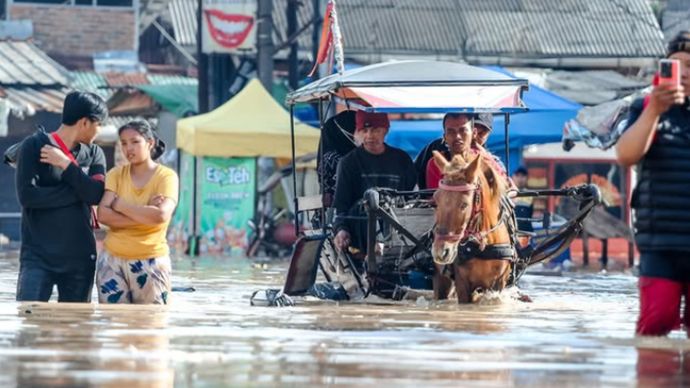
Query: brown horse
[[468, 210]]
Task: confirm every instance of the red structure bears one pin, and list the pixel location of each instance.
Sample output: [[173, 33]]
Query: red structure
[[607, 233]]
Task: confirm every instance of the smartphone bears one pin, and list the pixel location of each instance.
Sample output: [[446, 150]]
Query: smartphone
[[669, 72]]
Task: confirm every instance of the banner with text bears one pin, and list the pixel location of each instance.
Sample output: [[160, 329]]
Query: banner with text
[[227, 201], [229, 26]]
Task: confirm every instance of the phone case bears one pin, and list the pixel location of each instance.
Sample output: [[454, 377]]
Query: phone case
[[669, 71]]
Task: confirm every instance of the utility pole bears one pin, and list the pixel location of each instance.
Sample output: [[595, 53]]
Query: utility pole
[[265, 43], [293, 66], [316, 32], [202, 61]]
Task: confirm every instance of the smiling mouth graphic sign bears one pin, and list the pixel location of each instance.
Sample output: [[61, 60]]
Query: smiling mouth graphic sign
[[229, 27]]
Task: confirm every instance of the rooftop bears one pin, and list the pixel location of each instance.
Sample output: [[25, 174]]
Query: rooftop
[[464, 29]]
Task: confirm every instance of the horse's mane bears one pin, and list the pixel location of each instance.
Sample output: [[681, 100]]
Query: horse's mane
[[491, 189]]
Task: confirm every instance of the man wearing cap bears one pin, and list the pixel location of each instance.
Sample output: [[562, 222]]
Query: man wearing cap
[[373, 164], [483, 124], [464, 134], [658, 138]]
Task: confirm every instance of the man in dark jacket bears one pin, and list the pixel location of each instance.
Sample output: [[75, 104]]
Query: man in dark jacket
[[658, 138], [59, 177], [374, 164]]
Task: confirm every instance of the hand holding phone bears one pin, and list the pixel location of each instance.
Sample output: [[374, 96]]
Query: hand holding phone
[[669, 90], [669, 72]]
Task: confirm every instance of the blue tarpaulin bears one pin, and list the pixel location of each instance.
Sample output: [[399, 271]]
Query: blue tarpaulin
[[544, 122]]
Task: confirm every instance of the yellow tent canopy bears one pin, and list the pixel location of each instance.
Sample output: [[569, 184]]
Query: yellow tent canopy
[[251, 124]]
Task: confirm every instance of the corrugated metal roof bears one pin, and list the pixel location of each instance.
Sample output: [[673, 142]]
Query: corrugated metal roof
[[305, 14], [98, 83], [590, 87], [118, 121], [26, 100], [183, 18], [22, 63], [593, 87], [131, 102], [92, 82], [676, 18], [116, 80], [88, 80], [513, 28], [164, 79]]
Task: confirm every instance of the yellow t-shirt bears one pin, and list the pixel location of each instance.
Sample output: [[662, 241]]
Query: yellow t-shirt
[[140, 241]]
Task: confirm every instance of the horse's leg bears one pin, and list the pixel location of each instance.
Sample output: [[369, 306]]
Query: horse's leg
[[505, 274], [501, 273], [463, 286], [484, 274], [441, 283]]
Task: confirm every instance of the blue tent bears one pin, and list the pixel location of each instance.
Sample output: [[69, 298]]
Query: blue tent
[[542, 124]]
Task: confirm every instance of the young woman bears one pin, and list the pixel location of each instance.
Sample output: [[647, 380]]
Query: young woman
[[139, 200]]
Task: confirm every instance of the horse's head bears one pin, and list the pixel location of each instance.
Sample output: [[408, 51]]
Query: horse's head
[[454, 204]]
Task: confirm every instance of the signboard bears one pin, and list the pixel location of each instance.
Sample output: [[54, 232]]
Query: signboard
[[229, 26], [227, 192]]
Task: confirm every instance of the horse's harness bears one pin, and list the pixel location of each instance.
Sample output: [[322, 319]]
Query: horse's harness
[[472, 243]]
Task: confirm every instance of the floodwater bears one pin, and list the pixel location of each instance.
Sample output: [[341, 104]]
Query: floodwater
[[578, 331]]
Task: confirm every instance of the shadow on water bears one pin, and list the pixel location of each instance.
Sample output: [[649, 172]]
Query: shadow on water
[[577, 332]]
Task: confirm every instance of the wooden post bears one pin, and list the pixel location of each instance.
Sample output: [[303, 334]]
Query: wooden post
[[631, 254], [585, 248], [604, 253]]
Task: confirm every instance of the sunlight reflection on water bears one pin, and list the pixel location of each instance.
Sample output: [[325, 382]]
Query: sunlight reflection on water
[[577, 332]]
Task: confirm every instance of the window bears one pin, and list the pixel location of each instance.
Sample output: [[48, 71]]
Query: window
[[114, 3], [97, 3], [56, 2]]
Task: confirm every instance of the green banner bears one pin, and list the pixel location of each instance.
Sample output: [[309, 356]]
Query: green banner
[[227, 191], [181, 226]]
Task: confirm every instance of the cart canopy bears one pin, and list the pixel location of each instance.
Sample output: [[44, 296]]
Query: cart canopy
[[419, 87]]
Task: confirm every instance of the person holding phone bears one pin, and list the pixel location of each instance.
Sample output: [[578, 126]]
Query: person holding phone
[[658, 139]]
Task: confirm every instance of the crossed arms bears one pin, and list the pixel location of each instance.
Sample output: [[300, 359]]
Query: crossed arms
[[118, 213]]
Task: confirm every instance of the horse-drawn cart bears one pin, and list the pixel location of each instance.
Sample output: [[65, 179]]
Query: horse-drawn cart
[[400, 224]]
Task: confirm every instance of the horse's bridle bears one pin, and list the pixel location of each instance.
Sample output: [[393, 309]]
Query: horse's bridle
[[478, 236], [458, 188], [465, 188]]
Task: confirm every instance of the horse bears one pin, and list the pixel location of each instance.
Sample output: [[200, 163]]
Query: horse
[[471, 235]]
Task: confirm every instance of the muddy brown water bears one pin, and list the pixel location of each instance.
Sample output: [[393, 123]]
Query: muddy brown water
[[578, 331]]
